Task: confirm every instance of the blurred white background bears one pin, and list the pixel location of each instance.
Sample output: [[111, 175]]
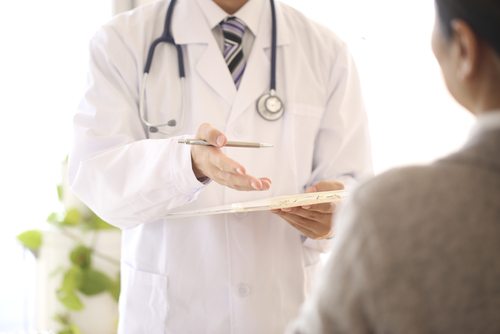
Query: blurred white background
[[43, 75]]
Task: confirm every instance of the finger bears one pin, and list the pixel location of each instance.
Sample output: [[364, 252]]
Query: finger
[[304, 230], [317, 230], [308, 215], [325, 186], [306, 222], [266, 183], [267, 179], [228, 167], [236, 181], [319, 223], [210, 134], [319, 227], [221, 173], [219, 167], [323, 207]]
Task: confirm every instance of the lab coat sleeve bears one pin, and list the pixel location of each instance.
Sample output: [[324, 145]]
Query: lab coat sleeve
[[342, 147], [125, 178]]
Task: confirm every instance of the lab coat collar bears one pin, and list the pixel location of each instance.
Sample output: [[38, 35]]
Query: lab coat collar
[[189, 26]]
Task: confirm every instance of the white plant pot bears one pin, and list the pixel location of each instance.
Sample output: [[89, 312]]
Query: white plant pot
[[100, 312]]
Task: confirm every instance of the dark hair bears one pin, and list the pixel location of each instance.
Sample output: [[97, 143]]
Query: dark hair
[[483, 16]]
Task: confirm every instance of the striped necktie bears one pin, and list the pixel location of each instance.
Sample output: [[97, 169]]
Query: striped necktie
[[233, 29]]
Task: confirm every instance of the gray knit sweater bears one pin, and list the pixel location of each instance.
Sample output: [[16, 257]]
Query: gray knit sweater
[[417, 251]]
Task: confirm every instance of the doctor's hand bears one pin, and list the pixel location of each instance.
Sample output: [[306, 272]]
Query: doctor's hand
[[211, 162], [313, 221]]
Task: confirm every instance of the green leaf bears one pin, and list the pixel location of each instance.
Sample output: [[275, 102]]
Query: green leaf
[[80, 256], [72, 279], [114, 289], [94, 282], [56, 271], [60, 192], [95, 223], [102, 225], [61, 318], [31, 239], [66, 331], [74, 329], [72, 218], [54, 219], [70, 300]]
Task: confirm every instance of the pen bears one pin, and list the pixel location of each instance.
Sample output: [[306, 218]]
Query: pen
[[228, 144]]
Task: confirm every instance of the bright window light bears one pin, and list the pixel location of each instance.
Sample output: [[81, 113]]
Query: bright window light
[[43, 76], [413, 119]]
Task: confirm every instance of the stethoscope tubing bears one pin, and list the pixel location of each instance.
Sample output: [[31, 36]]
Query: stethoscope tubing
[[154, 127], [166, 37], [274, 35]]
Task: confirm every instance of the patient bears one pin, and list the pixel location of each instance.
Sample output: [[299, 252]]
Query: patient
[[418, 249]]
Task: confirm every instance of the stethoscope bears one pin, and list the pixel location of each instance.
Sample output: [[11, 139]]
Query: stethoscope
[[269, 106]]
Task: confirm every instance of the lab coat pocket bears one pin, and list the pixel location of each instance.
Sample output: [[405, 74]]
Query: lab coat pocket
[[311, 273], [143, 302]]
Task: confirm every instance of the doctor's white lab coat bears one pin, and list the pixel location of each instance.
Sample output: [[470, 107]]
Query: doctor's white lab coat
[[245, 273]]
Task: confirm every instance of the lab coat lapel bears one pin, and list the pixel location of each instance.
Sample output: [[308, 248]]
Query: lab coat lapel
[[189, 26], [213, 69], [257, 76]]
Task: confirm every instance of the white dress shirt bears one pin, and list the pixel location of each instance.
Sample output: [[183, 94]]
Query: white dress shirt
[[250, 13]]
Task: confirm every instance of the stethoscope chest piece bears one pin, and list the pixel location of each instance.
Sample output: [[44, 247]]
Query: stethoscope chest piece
[[270, 107]]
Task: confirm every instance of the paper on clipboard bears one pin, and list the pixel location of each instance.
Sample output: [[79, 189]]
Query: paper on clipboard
[[267, 204]]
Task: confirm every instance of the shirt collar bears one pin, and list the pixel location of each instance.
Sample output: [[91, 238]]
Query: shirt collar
[[250, 13], [486, 121]]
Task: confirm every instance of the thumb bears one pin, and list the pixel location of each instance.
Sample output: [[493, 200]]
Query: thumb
[[211, 135], [325, 186]]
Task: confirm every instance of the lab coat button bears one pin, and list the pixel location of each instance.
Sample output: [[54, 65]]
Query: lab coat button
[[241, 214], [240, 131], [243, 290]]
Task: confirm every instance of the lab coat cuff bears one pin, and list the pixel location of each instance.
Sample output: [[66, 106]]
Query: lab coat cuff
[[323, 246], [181, 164]]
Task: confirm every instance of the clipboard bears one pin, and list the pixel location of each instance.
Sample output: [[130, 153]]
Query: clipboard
[[267, 204]]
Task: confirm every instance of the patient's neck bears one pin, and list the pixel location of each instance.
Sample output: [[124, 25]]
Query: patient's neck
[[486, 86]]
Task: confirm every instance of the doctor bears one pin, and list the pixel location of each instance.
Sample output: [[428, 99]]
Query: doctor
[[245, 273]]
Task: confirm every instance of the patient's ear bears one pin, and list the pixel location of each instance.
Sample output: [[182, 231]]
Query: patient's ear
[[465, 50]]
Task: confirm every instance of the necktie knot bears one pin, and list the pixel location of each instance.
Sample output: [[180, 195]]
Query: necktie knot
[[233, 29]]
